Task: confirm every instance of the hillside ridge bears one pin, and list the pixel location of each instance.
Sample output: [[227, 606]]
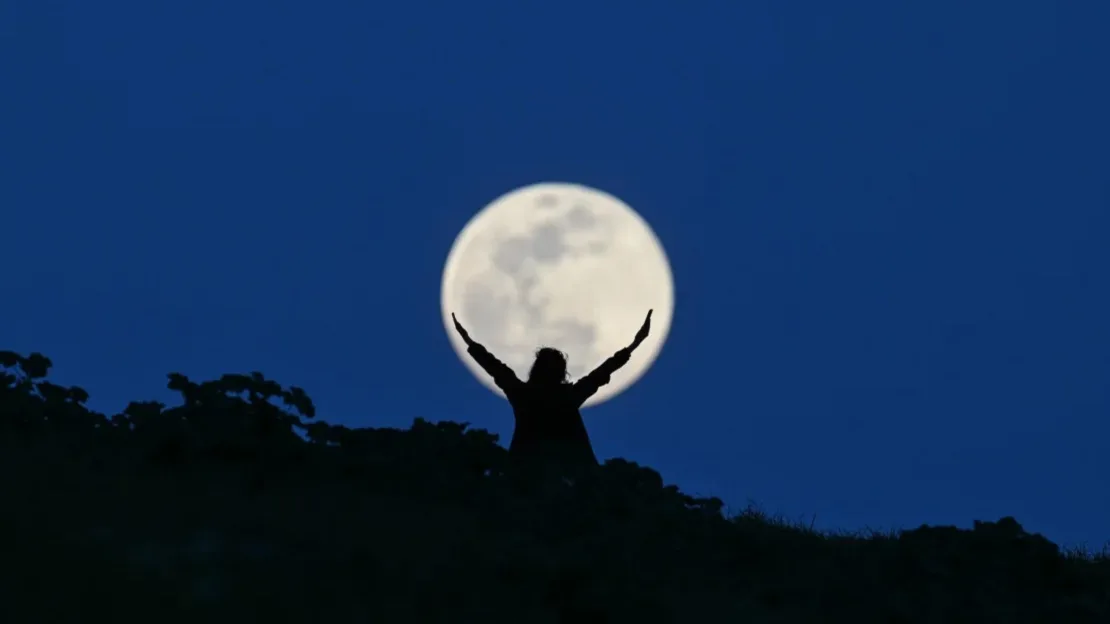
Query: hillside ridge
[[238, 503]]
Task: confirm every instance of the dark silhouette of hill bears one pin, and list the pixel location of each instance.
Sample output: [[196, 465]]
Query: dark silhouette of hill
[[237, 505]]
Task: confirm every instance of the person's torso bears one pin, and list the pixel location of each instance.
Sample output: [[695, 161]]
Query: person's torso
[[548, 422]]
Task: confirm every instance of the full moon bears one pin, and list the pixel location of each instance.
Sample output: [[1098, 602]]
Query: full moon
[[559, 265]]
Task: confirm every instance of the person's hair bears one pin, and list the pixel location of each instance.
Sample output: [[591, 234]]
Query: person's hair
[[550, 366]]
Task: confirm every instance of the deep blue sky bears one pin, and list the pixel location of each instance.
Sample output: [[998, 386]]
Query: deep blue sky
[[889, 224]]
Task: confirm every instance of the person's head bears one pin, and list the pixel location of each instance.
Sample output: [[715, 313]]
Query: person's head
[[550, 367]]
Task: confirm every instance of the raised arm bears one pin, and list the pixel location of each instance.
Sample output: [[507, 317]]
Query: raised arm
[[585, 387], [502, 375]]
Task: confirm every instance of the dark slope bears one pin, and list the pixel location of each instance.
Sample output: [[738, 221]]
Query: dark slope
[[219, 510]]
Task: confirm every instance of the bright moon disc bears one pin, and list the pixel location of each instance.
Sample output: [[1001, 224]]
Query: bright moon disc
[[559, 265]]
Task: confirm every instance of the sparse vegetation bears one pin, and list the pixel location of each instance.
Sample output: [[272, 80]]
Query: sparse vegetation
[[237, 505]]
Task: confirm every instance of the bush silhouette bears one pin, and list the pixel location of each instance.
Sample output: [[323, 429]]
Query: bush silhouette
[[239, 505]]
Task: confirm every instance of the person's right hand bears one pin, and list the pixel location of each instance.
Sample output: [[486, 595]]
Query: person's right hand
[[645, 329], [459, 328]]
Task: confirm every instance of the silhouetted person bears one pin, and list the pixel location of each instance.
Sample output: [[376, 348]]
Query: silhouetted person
[[549, 431]]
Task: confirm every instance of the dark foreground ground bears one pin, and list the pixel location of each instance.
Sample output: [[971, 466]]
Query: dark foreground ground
[[216, 510]]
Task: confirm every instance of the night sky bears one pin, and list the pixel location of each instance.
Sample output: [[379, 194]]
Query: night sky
[[888, 223]]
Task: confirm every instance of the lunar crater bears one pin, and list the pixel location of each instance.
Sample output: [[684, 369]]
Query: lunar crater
[[547, 243], [547, 200], [511, 254], [581, 217], [486, 311], [596, 248]]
